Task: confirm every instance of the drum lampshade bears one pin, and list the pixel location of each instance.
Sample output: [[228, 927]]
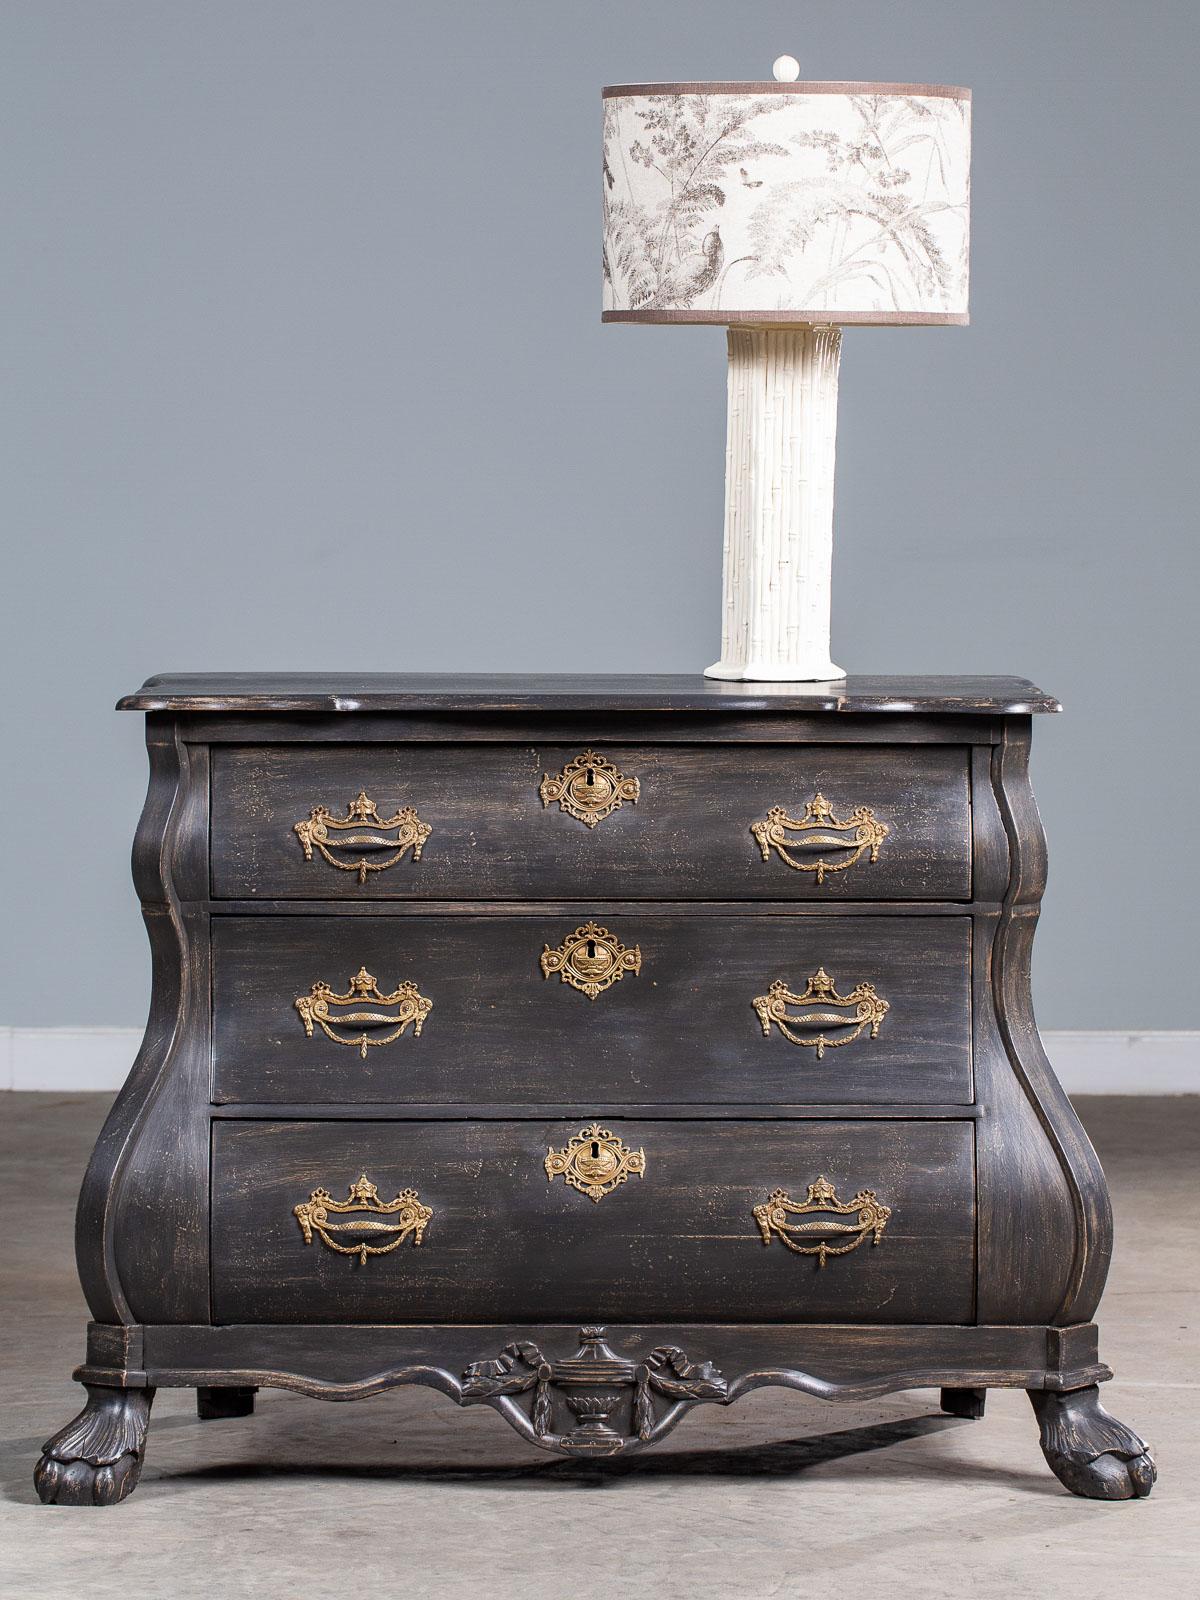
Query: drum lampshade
[[779, 203]]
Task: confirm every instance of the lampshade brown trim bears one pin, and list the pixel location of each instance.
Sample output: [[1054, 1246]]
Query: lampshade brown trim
[[820, 319], [925, 91]]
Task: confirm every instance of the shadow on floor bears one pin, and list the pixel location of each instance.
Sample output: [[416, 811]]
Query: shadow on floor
[[783, 1459]]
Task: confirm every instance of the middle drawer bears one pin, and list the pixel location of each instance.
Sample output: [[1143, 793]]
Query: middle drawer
[[662, 1006]]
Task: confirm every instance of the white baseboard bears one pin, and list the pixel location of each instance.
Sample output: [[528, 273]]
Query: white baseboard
[[1126, 1063], [64, 1060]]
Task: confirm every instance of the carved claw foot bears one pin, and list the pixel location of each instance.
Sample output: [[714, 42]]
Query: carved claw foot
[[1089, 1452], [96, 1459]]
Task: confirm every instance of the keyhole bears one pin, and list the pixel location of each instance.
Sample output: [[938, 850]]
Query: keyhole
[[595, 1151], [591, 949], [591, 780]]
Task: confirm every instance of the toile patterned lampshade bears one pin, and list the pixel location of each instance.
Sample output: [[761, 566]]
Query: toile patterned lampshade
[[815, 203]]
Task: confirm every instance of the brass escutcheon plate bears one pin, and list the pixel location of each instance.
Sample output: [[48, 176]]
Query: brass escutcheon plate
[[591, 960], [595, 1161], [589, 789]]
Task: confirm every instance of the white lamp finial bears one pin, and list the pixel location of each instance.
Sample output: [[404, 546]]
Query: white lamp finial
[[786, 69]]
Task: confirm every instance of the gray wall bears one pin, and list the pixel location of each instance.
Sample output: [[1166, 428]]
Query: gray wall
[[296, 291]]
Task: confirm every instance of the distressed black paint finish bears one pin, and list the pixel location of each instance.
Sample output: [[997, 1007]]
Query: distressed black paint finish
[[684, 1029], [96, 1460], [506, 1242], [1090, 1452], [688, 836], [988, 1270], [966, 1403], [425, 692], [832, 1361]]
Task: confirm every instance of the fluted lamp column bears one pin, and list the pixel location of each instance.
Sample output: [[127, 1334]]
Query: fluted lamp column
[[784, 211]]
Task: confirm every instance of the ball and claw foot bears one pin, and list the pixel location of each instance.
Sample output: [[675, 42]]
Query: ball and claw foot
[[96, 1459], [1089, 1452]]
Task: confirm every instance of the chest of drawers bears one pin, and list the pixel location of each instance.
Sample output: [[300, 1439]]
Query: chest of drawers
[[591, 1049]]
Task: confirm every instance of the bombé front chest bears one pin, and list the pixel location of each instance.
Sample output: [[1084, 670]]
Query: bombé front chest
[[588, 1014]]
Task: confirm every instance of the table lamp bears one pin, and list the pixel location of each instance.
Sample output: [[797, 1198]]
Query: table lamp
[[784, 211]]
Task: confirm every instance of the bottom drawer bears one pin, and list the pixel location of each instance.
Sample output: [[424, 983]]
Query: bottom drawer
[[508, 1241]]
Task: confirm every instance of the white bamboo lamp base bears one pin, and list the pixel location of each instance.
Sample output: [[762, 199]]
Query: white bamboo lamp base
[[779, 462]]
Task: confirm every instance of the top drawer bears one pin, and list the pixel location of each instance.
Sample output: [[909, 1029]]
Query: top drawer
[[509, 821]]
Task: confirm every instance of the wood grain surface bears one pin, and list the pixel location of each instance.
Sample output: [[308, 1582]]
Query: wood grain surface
[[505, 1242], [683, 1030], [499, 692], [688, 835]]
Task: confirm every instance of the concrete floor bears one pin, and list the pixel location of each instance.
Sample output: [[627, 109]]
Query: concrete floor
[[406, 1495]]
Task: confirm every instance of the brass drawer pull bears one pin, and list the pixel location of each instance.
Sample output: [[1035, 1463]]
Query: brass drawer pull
[[864, 1008], [822, 1204], [589, 789], [818, 829], [362, 828], [591, 960], [406, 1215], [322, 1006], [595, 1161]]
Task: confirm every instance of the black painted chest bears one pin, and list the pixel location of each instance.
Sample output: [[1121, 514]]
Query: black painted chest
[[490, 1015]]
